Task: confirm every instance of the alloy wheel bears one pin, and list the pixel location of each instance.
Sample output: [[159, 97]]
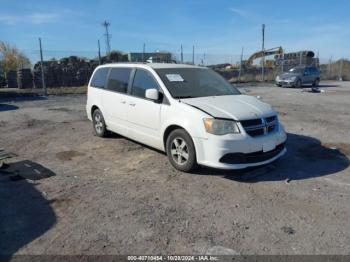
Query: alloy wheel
[[179, 151], [98, 123]]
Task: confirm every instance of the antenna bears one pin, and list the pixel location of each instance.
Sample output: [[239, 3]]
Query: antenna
[[106, 24]]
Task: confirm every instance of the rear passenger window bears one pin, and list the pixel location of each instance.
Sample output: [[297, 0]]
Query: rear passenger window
[[143, 80], [100, 77], [314, 70], [119, 79]]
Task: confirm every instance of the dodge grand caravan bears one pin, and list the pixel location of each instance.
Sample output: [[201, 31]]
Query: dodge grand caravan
[[190, 112]]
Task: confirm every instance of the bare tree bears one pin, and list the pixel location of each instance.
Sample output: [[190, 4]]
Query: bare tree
[[11, 58]]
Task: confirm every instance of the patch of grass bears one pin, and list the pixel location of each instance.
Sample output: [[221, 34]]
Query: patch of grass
[[13, 92]]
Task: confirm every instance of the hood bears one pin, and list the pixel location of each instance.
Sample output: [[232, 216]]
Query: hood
[[288, 75], [237, 107]]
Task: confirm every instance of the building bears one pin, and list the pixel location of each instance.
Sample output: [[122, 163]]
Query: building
[[155, 57]]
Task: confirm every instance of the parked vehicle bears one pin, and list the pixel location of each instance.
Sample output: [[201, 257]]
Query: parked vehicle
[[190, 112], [299, 76]]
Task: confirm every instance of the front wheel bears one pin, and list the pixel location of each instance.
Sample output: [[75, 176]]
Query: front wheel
[[316, 83], [181, 151], [297, 84]]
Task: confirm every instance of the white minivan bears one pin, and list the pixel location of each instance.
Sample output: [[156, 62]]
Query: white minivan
[[190, 112]]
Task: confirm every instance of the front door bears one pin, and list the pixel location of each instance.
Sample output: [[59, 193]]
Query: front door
[[307, 77], [144, 114]]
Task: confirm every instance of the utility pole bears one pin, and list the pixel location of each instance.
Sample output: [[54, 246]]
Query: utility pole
[[300, 57], [143, 52], [182, 55], [263, 51], [282, 61], [192, 55], [329, 67], [240, 66], [99, 52], [106, 24], [42, 69], [341, 70]]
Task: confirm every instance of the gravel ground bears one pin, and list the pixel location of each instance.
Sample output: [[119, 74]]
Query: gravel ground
[[115, 196]]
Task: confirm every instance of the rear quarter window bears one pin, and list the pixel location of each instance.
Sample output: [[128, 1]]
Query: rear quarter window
[[99, 78]]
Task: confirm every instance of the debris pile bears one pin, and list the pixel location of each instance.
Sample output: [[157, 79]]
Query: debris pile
[[11, 79], [24, 78], [66, 72], [70, 71]]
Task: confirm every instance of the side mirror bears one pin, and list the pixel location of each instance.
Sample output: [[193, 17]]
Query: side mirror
[[152, 94]]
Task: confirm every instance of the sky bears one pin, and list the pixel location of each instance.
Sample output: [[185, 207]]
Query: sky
[[217, 28]]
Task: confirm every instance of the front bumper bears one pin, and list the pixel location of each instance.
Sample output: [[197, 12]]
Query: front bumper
[[238, 151], [289, 83]]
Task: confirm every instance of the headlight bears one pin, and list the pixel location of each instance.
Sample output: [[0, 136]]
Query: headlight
[[293, 78], [220, 127]]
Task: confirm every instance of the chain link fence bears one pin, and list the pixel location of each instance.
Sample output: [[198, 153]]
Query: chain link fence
[[74, 68]]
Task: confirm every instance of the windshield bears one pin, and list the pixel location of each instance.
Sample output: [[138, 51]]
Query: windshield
[[195, 82], [297, 70]]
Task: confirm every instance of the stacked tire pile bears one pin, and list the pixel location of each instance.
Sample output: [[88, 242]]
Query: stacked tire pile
[[68, 72], [2, 82], [24, 78], [11, 79]]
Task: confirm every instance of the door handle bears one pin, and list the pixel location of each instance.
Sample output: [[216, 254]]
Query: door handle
[[123, 102], [132, 104]]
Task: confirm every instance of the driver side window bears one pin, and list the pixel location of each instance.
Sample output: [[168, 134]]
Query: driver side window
[[143, 80]]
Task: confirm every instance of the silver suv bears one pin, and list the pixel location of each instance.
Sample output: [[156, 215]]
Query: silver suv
[[299, 76]]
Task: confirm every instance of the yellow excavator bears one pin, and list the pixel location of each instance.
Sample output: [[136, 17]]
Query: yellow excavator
[[267, 52], [269, 63]]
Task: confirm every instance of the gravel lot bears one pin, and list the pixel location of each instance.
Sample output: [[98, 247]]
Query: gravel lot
[[115, 196]]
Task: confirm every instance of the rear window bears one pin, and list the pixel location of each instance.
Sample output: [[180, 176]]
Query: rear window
[[118, 79], [99, 78]]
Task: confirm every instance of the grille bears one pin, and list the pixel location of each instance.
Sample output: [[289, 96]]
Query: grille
[[259, 126]]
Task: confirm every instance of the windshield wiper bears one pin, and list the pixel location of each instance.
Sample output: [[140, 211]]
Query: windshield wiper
[[183, 97]]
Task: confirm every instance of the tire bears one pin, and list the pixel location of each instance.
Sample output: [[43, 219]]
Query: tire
[[181, 151], [278, 85], [316, 83], [297, 84], [99, 124]]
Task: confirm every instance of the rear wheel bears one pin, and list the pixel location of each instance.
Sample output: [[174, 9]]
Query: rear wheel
[[181, 151], [99, 124]]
